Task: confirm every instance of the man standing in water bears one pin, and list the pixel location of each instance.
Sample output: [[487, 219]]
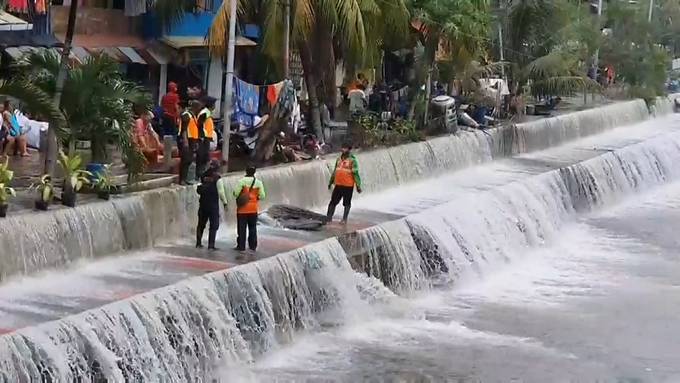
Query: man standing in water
[[208, 206], [248, 192], [344, 178]]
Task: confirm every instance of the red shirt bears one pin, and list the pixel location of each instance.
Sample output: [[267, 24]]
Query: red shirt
[[170, 104]]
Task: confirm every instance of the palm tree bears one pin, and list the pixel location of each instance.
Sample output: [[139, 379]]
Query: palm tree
[[549, 44], [34, 100], [322, 31], [97, 102], [458, 27]]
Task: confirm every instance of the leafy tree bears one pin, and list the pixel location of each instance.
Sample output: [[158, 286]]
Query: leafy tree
[[634, 47], [323, 31], [97, 102], [549, 44]]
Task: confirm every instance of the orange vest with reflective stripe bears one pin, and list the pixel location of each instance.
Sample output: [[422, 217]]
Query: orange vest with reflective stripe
[[208, 125], [253, 205], [192, 126], [344, 173]]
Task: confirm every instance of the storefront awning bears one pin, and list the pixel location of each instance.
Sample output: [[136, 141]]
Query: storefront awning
[[125, 55], [12, 23], [179, 42]]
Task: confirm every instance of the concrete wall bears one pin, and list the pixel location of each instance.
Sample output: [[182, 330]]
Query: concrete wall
[[55, 238], [92, 21]]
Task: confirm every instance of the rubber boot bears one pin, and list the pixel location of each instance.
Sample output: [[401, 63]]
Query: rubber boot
[[199, 239], [211, 239], [330, 213], [345, 214]]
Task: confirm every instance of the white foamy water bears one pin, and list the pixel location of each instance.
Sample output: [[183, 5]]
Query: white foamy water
[[526, 278], [596, 303]]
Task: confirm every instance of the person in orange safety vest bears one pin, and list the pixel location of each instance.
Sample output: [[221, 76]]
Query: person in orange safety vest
[[344, 179], [246, 215], [188, 140]]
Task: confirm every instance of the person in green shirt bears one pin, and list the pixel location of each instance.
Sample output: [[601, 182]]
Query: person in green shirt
[[344, 178]]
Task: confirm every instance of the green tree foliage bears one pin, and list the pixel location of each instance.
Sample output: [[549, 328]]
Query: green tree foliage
[[459, 27], [34, 100], [97, 102], [634, 47], [549, 45], [323, 31]]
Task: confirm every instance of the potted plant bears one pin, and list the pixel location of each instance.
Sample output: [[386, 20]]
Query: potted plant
[[103, 183], [45, 193], [74, 177], [6, 192]]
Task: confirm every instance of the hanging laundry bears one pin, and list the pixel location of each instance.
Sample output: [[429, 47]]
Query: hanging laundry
[[247, 99], [250, 97], [18, 6], [273, 92]]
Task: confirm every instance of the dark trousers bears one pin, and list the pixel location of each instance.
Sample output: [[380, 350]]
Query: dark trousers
[[208, 214], [186, 157], [340, 193], [169, 126], [249, 222], [202, 157]]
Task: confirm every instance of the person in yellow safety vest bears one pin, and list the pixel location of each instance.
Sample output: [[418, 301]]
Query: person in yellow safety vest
[[246, 215], [344, 178], [206, 133], [188, 139]]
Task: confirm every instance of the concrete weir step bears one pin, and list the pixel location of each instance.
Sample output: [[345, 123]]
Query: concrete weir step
[[84, 239], [50, 296]]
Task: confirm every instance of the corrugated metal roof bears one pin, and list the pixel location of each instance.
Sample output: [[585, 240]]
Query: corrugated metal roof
[[179, 42], [12, 23], [124, 55]]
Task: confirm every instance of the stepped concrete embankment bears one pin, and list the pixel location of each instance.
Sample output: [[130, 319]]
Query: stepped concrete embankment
[[38, 241]]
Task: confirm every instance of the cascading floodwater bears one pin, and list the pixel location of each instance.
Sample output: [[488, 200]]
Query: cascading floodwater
[[200, 328], [148, 218]]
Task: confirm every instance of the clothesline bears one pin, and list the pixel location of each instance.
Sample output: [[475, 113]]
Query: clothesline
[[258, 85], [248, 96]]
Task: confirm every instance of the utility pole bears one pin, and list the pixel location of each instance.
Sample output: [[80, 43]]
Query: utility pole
[[229, 84], [52, 143], [286, 40], [596, 58], [500, 37], [651, 10]]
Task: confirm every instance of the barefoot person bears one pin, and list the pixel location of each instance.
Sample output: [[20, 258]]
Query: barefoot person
[[16, 136], [248, 192], [208, 206], [344, 178]]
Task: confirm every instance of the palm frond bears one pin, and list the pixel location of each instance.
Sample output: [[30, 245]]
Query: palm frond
[[36, 101], [217, 34], [564, 86]]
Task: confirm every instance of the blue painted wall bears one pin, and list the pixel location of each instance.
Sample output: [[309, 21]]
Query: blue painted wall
[[192, 24]]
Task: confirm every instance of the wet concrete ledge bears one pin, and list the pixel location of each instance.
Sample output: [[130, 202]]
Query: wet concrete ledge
[[37, 241]]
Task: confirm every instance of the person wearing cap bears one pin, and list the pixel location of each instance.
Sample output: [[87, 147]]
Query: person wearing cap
[[188, 140], [170, 105], [206, 133], [208, 205], [246, 214], [344, 178]]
